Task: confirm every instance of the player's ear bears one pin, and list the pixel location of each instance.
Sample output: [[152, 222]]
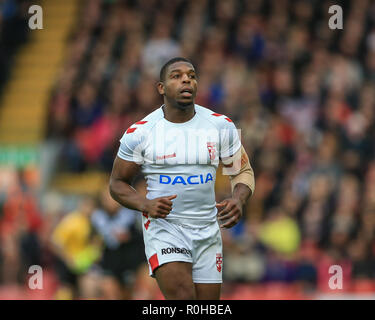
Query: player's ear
[[161, 88]]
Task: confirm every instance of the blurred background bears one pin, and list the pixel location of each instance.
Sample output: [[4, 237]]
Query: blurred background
[[302, 94]]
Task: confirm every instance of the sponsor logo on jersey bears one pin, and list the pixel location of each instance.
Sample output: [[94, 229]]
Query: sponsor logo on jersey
[[197, 179], [167, 156], [219, 261], [175, 250]]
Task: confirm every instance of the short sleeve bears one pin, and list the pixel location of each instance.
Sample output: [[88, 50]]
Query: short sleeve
[[131, 147], [230, 141]]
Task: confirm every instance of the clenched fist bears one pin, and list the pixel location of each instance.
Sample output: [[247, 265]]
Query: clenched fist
[[159, 207]]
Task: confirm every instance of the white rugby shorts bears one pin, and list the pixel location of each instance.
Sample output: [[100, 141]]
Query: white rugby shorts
[[167, 241]]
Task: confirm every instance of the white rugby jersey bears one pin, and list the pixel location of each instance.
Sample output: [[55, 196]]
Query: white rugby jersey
[[182, 159]]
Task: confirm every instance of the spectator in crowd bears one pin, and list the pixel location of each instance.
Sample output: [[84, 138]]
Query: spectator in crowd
[[123, 246], [20, 224], [76, 248]]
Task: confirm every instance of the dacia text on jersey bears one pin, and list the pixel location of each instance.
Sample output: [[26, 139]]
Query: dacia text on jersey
[[165, 179]]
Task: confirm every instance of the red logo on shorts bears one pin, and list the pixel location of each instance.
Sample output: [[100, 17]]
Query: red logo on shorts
[[219, 261], [147, 222], [211, 146]]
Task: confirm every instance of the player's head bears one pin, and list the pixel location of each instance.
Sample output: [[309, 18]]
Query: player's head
[[178, 82]]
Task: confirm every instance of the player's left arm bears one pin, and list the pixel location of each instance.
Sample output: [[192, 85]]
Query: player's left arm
[[241, 177]]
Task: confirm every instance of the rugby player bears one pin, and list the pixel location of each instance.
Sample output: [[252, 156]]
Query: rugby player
[[178, 148]]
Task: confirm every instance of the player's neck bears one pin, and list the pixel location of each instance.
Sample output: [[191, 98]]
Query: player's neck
[[174, 114]]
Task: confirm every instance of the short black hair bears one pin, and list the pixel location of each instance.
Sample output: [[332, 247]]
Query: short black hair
[[168, 63]]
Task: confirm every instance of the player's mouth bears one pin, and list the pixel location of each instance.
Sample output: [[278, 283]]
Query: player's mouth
[[186, 92]]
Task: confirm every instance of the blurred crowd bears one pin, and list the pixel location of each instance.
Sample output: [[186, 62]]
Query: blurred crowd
[[88, 246], [302, 94], [13, 33]]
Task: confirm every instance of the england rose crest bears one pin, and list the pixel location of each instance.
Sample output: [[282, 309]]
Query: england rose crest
[[219, 261], [211, 146]]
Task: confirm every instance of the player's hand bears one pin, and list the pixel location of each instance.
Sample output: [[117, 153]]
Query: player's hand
[[229, 210], [159, 207]]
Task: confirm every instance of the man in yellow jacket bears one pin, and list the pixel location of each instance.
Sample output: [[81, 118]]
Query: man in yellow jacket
[[75, 247]]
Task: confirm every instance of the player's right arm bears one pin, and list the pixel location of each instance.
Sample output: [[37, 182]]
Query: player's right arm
[[125, 167], [123, 173]]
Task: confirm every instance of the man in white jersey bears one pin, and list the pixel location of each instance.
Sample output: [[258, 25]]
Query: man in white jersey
[[178, 147]]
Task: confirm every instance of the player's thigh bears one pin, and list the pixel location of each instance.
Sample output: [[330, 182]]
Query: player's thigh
[[207, 291], [207, 255], [175, 280]]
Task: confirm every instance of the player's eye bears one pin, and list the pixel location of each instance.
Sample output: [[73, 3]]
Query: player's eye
[[175, 76], [192, 76]]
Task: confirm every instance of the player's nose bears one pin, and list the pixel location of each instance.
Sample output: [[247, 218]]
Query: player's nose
[[185, 78]]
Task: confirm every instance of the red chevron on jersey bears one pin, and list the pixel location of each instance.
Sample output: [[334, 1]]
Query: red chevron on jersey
[[130, 130]]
